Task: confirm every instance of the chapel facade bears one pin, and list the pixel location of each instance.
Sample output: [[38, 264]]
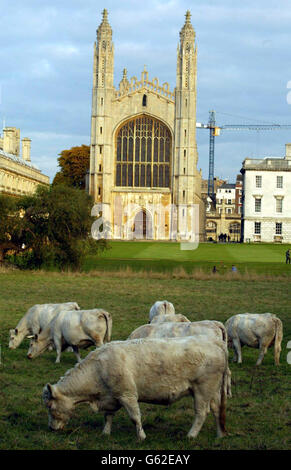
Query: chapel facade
[[143, 160]]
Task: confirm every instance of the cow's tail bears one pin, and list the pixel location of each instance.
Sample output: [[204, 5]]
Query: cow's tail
[[108, 321], [223, 331], [278, 339], [223, 398]]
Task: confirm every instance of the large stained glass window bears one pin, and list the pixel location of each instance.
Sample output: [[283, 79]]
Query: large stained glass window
[[143, 154]]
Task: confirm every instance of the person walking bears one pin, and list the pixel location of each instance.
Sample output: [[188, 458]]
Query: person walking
[[288, 256]]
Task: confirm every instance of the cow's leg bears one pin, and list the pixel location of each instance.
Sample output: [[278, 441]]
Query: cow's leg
[[263, 350], [58, 347], [215, 408], [130, 403], [108, 423], [237, 349], [201, 408], [77, 354]]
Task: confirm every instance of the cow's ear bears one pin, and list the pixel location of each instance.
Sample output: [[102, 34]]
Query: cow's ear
[[48, 394]]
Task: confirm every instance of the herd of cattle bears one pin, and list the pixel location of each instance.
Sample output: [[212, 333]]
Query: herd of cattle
[[164, 360]]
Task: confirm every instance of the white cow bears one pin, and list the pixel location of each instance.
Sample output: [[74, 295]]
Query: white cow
[[256, 330], [37, 319], [212, 330], [76, 329], [158, 371], [169, 317], [161, 307]]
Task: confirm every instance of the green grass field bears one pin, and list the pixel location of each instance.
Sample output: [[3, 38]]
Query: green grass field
[[260, 258], [258, 414]]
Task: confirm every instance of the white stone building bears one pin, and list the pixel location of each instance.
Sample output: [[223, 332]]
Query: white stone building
[[226, 195], [143, 144], [267, 199]]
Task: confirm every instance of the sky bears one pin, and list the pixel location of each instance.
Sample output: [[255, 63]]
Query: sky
[[243, 70]]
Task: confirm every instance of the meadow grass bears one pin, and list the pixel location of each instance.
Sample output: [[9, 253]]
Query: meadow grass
[[258, 414], [263, 259]]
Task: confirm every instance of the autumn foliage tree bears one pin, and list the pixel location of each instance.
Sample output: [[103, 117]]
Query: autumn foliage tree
[[74, 164]]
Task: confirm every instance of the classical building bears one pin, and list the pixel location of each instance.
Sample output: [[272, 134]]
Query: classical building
[[18, 177], [267, 199], [143, 160]]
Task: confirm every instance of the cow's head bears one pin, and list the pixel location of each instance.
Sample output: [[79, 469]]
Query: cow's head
[[37, 346], [14, 338], [59, 407]]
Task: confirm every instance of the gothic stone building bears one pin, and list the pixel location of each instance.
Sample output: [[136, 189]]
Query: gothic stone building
[[143, 146]]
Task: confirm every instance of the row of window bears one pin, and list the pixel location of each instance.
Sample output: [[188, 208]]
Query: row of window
[[278, 228], [279, 204], [259, 181]]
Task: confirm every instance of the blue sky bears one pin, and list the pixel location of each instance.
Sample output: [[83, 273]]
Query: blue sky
[[244, 66]]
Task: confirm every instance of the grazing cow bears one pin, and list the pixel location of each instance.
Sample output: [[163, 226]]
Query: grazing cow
[[161, 307], [76, 329], [169, 317], [37, 319], [212, 330], [256, 330], [209, 328], [158, 371]]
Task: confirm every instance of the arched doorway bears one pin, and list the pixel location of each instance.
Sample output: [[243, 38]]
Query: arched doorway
[[143, 227], [211, 229], [234, 231]]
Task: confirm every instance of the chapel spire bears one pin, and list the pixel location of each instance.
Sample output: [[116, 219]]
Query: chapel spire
[[187, 32], [104, 30]]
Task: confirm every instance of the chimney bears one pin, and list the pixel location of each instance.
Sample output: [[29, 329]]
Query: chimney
[[26, 142], [11, 140], [288, 151]]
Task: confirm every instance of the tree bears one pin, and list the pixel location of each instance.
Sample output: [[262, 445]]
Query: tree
[[74, 164], [51, 228], [11, 233]]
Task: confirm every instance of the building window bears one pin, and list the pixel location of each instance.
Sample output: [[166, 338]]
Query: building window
[[258, 204], [279, 204], [229, 211], [100, 168], [143, 153], [184, 153], [229, 201], [101, 101], [144, 100], [279, 181], [100, 130], [278, 228], [258, 181], [258, 228]]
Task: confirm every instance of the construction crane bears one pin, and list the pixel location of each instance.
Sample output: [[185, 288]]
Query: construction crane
[[214, 131]]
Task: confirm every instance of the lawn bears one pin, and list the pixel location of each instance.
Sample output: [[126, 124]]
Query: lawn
[[165, 256], [258, 414]]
